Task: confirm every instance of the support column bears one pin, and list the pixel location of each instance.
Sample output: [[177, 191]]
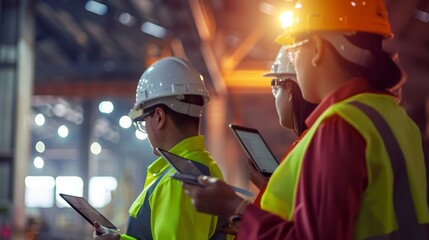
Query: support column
[[220, 142], [16, 84]]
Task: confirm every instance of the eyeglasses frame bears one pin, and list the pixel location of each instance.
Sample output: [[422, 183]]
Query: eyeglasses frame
[[276, 83], [139, 122]]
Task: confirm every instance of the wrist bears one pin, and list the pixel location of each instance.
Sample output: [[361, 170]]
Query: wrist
[[235, 218], [239, 210]]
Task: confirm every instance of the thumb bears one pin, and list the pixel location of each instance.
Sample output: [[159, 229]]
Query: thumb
[[98, 228], [97, 225], [203, 179]]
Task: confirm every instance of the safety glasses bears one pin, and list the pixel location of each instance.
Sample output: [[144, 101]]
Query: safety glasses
[[140, 122], [277, 83]]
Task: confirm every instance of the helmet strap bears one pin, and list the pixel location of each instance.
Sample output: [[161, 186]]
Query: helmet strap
[[348, 50]]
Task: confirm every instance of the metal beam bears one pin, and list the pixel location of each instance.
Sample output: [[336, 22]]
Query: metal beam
[[205, 27], [103, 70], [87, 89], [247, 80], [231, 61]]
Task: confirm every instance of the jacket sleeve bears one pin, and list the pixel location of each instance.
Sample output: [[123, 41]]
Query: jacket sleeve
[[174, 217], [331, 185]]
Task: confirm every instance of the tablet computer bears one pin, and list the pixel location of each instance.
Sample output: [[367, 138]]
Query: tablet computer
[[187, 178], [180, 164], [188, 172], [80, 205], [255, 148]]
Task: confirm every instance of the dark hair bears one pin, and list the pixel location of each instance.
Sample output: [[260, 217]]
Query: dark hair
[[383, 73], [301, 109], [180, 120]]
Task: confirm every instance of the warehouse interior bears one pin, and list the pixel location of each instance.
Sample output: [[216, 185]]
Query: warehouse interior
[[81, 61]]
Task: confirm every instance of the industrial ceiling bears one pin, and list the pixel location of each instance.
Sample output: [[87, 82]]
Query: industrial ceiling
[[109, 43], [96, 48]]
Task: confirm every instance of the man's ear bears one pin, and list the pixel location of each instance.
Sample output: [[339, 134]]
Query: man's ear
[[318, 50], [160, 117]]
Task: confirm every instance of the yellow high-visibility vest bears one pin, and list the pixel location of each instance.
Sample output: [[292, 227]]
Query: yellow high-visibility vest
[[394, 201], [164, 211]]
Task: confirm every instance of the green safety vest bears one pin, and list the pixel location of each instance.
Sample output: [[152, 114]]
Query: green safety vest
[[394, 202], [164, 211]]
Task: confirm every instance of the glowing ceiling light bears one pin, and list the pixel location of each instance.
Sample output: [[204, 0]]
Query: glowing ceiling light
[[72, 185], [154, 30], [106, 107], [63, 131], [39, 182], [40, 147], [95, 148], [100, 190], [39, 191], [39, 162], [39, 119], [286, 19], [125, 122], [96, 7], [126, 19], [140, 135], [60, 110]]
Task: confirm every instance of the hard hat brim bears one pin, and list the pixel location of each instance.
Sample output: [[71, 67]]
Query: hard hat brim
[[278, 75], [135, 112]]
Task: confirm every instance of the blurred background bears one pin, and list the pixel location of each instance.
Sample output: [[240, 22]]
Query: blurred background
[[68, 72]]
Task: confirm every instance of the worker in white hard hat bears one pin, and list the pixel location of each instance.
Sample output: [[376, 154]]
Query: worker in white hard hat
[[170, 98], [292, 109], [295, 110]]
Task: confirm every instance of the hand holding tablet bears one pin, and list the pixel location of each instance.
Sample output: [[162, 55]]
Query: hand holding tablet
[[256, 149], [88, 212], [188, 172]]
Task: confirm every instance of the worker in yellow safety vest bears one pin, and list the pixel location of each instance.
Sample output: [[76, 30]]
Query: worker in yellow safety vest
[[170, 97], [359, 171]]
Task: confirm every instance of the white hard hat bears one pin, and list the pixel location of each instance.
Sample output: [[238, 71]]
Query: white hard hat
[[282, 67], [166, 82]]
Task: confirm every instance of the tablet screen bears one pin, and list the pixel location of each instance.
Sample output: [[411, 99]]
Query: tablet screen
[[182, 165], [87, 211], [256, 148]]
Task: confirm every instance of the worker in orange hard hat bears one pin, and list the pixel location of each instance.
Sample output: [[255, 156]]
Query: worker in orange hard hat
[[359, 171]]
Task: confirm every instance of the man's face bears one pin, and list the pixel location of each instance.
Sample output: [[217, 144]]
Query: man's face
[[144, 125], [151, 136]]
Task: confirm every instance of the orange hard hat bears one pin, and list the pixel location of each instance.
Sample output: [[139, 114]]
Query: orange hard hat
[[368, 16]]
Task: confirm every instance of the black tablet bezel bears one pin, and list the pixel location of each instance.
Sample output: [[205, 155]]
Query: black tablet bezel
[[187, 178], [95, 216], [167, 156], [234, 129]]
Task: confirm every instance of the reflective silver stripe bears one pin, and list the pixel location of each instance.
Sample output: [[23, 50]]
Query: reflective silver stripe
[[402, 198]]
